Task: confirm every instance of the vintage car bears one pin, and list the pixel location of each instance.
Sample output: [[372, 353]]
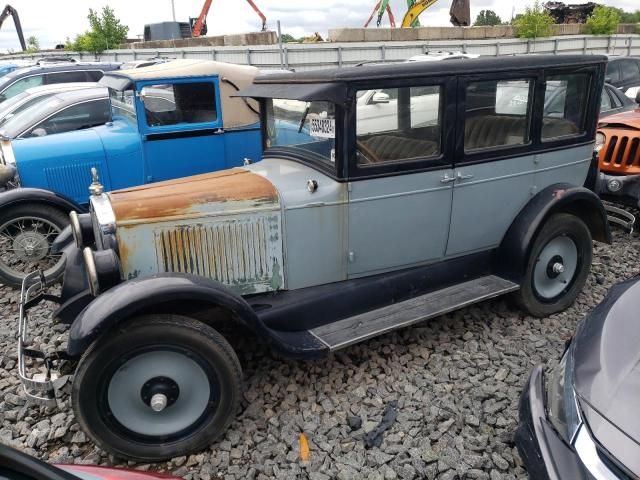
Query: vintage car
[[579, 419], [168, 120], [333, 238], [618, 142]]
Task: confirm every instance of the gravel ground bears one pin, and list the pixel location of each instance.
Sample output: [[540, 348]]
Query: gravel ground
[[456, 380]]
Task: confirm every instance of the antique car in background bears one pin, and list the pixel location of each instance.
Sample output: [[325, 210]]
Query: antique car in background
[[624, 74], [579, 420], [336, 236], [618, 141], [166, 121]]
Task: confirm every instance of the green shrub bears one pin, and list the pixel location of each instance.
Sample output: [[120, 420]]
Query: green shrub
[[535, 22], [603, 21]]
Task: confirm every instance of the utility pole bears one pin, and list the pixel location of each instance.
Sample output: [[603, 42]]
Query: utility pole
[[173, 9]]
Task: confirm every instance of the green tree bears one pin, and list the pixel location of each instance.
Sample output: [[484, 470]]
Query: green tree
[[628, 17], [33, 44], [288, 38], [106, 32], [535, 22], [603, 21], [487, 18]]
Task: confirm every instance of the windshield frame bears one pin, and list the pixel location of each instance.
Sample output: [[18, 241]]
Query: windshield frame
[[129, 118], [335, 170]]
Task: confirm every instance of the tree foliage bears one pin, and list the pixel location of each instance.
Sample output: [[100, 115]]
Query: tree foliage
[[603, 21], [106, 32], [33, 44], [487, 18], [535, 22], [628, 17], [288, 38]]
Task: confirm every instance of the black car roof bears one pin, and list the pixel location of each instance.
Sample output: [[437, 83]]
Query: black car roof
[[420, 69], [331, 84]]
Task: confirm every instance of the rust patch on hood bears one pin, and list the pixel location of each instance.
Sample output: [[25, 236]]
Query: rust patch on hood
[[232, 188]]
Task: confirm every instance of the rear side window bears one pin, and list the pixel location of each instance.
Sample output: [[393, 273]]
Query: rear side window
[[65, 77], [94, 75], [613, 72], [605, 104], [397, 124], [629, 70], [565, 114], [21, 85], [497, 113], [181, 103], [76, 117]]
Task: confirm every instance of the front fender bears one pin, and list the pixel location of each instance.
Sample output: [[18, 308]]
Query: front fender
[[125, 300], [38, 195], [562, 197]]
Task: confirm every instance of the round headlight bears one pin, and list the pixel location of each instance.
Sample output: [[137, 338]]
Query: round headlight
[[82, 229], [102, 268], [601, 139]]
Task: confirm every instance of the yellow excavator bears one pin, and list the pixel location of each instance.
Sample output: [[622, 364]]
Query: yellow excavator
[[460, 12]]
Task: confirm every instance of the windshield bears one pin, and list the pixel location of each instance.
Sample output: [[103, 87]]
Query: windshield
[[306, 129], [24, 120], [122, 105]]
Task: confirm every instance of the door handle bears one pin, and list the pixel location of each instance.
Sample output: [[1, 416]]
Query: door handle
[[447, 179], [461, 176]]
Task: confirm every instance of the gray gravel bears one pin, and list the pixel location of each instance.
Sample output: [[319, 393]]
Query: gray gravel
[[456, 380]]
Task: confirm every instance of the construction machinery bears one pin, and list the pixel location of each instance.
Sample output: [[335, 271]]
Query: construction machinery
[[9, 10], [460, 12], [199, 24]]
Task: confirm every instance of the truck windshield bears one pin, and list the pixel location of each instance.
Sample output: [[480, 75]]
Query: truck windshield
[[122, 105], [306, 129]]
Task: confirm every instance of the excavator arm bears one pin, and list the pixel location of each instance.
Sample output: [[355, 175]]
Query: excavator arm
[[414, 12], [459, 12], [260, 14], [9, 10], [200, 25], [381, 7]]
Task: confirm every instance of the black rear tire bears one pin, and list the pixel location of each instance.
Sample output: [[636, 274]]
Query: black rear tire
[[544, 292], [114, 409], [30, 224]]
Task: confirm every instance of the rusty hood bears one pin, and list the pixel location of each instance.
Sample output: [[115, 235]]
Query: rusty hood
[[210, 194], [630, 119]]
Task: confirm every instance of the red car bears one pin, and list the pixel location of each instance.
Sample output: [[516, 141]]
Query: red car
[[15, 465]]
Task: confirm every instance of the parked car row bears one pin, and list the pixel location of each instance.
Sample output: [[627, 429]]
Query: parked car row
[[385, 195]]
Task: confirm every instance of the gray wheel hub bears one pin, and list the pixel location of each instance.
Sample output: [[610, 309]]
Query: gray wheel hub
[[555, 267], [142, 397], [30, 246]]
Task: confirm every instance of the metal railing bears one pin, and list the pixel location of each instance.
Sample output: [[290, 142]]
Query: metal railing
[[310, 56]]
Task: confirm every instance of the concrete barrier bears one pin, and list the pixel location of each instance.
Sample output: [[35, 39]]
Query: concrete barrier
[[237, 40]]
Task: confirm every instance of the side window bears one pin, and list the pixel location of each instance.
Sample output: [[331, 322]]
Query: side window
[[399, 124], [629, 70], [613, 72], [76, 117], [65, 77], [181, 103], [615, 100], [566, 115], [497, 113], [605, 103], [94, 75], [21, 85]]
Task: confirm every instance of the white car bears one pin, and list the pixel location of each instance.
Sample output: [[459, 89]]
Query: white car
[[33, 95]]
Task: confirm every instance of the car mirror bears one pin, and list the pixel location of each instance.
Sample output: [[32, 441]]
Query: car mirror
[[380, 97], [38, 132]]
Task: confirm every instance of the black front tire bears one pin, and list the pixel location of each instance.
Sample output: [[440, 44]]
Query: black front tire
[[39, 221], [561, 225], [156, 334]]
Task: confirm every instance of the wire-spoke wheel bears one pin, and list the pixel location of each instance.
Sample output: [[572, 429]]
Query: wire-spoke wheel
[[558, 266], [158, 387], [26, 234]]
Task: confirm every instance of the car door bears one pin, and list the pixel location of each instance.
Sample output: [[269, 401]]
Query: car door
[[494, 169], [182, 128], [400, 193]]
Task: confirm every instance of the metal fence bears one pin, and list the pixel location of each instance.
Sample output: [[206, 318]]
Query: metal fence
[[311, 56]]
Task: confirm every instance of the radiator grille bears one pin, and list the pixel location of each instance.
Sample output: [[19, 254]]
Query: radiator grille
[[73, 180], [245, 252], [622, 152]]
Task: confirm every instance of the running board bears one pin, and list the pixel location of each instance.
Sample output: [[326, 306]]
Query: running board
[[355, 329], [619, 216]]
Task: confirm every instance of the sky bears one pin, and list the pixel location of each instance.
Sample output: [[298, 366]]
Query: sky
[[51, 21]]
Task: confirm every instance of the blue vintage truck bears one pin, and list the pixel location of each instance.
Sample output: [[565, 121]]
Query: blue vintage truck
[[169, 120]]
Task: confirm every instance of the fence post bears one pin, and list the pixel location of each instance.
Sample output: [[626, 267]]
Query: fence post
[[340, 55], [248, 56], [135, 54], [213, 54], [286, 58], [528, 45], [497, 48], [383, 52], [555, 46], [629, 48], [586, 43], [464, 48], [609, 44]]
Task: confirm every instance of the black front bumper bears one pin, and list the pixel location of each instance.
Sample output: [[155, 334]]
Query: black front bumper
[[545, 454]]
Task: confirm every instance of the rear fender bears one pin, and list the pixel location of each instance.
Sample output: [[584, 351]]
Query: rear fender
[[559, 198], [37, 195], [124, 301]]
